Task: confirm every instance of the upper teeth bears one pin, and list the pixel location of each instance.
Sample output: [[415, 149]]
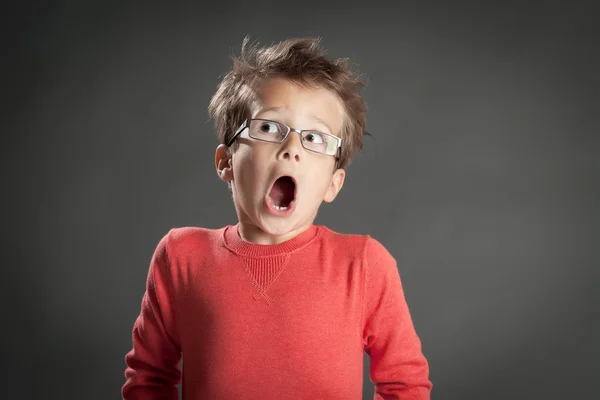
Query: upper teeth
[[280, 207]]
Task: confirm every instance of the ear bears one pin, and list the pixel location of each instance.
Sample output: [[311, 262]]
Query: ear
[[337, 181], [223, 163]]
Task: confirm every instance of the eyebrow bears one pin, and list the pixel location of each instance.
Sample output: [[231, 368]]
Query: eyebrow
[[314, 117], [321, 121], [261, 110]]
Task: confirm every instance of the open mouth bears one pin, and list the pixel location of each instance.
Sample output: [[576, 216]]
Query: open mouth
[[282, 193]]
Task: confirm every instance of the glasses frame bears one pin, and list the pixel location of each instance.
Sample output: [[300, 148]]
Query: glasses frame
[[246, 124]]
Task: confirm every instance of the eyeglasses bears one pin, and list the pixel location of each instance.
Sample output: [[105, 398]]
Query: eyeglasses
[[276, 132]]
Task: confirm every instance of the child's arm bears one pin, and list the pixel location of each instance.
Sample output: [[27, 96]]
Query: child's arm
[[399, 369], [153, 364]]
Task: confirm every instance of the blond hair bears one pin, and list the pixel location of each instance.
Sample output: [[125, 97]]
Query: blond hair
[[301, 60]]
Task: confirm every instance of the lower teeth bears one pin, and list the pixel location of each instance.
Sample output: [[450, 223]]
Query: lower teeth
[[281, 208]]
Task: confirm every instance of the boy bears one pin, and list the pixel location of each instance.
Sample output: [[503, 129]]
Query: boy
[[276, 307]]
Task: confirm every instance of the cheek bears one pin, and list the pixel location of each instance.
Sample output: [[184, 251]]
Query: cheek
[[249, 173], [324, 174], [320, 184]]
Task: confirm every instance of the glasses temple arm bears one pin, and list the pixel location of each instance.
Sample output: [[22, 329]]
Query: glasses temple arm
[[239, 130]]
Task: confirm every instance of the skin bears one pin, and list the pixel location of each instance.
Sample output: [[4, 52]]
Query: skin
[[252, 165]]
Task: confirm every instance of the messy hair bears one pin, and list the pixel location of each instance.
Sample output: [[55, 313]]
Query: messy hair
[[303, 61]]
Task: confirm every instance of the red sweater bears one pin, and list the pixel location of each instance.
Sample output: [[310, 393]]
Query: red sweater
[[284, 321]]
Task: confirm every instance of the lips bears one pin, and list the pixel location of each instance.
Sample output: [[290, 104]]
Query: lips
[[281, 196]]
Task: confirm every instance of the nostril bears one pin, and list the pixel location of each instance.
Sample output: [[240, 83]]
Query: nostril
[[287, 155]]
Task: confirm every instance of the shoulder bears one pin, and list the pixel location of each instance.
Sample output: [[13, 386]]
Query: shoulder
[[355, 245], [187, 240]]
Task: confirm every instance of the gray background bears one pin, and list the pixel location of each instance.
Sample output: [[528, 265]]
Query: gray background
[[482, 181]]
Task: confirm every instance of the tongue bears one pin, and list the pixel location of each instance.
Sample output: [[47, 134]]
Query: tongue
[[282, 191]]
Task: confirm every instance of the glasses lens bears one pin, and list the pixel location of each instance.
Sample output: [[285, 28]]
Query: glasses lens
[[320, 142], [266, 130]]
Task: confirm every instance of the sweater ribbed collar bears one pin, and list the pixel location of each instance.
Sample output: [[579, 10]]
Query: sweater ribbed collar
[[235, 243]]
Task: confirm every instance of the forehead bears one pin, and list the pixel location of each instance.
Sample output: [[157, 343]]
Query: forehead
[[279, 97]]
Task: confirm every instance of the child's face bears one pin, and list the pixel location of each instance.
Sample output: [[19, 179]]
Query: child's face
[[255, 165]]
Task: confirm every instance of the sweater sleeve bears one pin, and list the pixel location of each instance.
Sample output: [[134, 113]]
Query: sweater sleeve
[[152, 370], [398, 369]]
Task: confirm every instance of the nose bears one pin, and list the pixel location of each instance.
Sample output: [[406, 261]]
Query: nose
[[291, 148]]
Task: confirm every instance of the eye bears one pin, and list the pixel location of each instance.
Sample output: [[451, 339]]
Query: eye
[[268, 127], [315, 137]]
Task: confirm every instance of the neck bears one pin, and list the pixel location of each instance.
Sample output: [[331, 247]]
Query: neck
[[252, 233]]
